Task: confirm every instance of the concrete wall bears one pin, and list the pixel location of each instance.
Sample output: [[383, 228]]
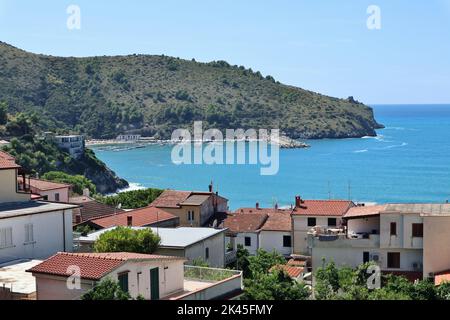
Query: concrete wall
[[436, 245], [240, 239], [404, 238], [216, 245], [51, 194], [273, 240], [182, 213], [364, 225], [55, 288], [8, 187], [48, 234]]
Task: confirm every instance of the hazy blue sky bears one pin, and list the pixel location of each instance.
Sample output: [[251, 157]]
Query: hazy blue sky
[[321, 45]]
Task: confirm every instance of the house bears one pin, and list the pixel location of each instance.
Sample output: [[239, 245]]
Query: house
[[205, 244], [195, 209], [143, 217], [72, 144], [295, 272], [15, 282], [25, 225], [150, 276], [308, 214], [261, 228], [405, 239], [47, 190], [89, 208]]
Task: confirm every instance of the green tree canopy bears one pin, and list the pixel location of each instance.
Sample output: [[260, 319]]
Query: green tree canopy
[[132, 199], [78, 182], [106, 289], [124, 239], [3, 113]]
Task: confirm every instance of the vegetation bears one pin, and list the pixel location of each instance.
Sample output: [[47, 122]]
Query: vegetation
[[106, 289], [132, 199], [123, 239], [152, 95], [39, 155], [345, 283], [78, 182]]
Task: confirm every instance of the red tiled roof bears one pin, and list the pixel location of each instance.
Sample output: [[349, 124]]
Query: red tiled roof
[[170, 199], [245, 222], [91, 209], [364, 211], [291, 270], [7, 161], [140, 217], [298, 263], [45, 185], [278, 219], [441, 277], [93, 266], [323, 208]]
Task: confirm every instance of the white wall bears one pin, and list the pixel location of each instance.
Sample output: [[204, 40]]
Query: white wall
[[63, 194], [364, 225], [404, 237], [171, 280], [240, 239], [8, 187], [436, 244], [273, 240], [48, 233], [216, 245]]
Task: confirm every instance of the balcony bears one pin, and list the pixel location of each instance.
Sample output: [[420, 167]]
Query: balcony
[[202, 283], [343, 241]]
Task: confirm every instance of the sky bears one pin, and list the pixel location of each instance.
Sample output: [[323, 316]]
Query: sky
[[320, 45]]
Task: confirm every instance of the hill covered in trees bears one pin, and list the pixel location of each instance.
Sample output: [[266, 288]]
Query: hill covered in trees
[[153, 95]]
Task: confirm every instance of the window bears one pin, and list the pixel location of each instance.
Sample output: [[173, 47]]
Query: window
[[393, 260], [393, 228], [417, 230], [311, 222], [6, 237], [207, 253], [366, 257], [287, 241], [57, 197], [191, 216], [123, 281], [248, 241], [29, 237], [332, 222]]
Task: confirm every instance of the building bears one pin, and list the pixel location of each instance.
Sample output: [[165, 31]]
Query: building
[[205, 244], [261, 228], [128, 137], [195, 209], [89, 209], [47, 190], [308, 214], [29, 229], [73, 144], [406, 239], [15, 282], [150, 276], [143, 217]]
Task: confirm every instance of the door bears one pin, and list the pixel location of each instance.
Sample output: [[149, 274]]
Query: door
[[154, 284], [366, 257]]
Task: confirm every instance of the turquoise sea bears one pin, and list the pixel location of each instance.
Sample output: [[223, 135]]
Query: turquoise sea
[[409, 161]]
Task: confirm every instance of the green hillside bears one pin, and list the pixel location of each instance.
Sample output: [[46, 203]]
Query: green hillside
[[152, 95]]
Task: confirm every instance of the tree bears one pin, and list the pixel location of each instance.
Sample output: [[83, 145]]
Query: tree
[[124, 239], [242, 262], [132, 199], [275, 285], [3, 113], [443, 291], [106, 289], [78, 182], [263, 261]]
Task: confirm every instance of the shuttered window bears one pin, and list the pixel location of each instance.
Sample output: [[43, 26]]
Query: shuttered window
[[6, 237], [417, 230], [29, 236], [123, 281], [393, 260]]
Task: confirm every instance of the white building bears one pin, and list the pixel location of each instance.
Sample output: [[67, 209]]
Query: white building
[[256, 228], [150, 276], [73, 144], [29, 229], [308, 214], [47, 190], [206, 244], [407, 239]]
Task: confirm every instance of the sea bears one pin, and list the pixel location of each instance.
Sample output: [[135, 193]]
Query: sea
[[408, 161]]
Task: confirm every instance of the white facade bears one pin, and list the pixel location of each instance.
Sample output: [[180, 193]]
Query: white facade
[[73, 144], [171, 280], [274, 241], [35, 236]]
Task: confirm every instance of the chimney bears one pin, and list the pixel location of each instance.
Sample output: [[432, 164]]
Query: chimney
[[210, 187], [86, 192], [257, 205], [298, 201], [276, 206], [129, 221]]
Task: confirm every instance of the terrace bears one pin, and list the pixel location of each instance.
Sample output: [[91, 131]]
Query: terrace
[[201, 283]]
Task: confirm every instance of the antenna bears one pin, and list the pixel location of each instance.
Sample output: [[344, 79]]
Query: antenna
[[349, 190], [329, 190]]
